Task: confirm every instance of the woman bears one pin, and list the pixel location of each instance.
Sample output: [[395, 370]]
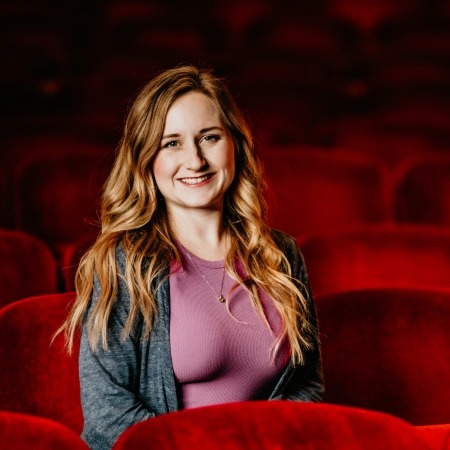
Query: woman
[[185, 247]]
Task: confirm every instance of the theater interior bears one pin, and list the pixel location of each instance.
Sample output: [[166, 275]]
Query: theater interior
[[349, 103]]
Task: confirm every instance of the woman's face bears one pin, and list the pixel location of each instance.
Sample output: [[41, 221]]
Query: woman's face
[[195, 163]]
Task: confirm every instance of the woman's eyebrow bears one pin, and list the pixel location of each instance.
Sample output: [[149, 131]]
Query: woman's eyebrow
[[205, 130], [173, 135]]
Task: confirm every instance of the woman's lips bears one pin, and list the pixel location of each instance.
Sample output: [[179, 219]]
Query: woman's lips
[[192, 181]]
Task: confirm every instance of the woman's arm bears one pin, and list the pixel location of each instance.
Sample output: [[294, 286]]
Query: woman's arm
[[109, 379]]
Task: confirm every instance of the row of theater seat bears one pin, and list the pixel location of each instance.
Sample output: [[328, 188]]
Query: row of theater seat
[[311, 191], [384, 351], [54, 195], [317, 189], [378, 256], [241, 426], [363, 256]]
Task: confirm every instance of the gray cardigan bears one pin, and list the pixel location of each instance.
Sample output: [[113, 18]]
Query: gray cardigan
[[133, 380]]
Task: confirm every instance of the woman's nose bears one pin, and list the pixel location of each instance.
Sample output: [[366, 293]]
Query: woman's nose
[[194, 157]]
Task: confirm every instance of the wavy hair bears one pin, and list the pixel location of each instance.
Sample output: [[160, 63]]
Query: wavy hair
[[133, 213]]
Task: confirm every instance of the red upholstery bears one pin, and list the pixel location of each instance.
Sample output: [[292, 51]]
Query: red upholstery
[[377, 256], [388, 350], [316, 189], [57, 194], [390, 143], [433, 120], [3, 199], [37, 376], [391, 132], [423, 195], [27, 267], [70, 259], [24, 432], [437, 436], [272, 425]]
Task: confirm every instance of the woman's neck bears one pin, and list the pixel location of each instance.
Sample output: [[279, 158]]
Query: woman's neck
[[202, 234]]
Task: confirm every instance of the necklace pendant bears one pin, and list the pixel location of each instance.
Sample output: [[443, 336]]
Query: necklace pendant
[[221, 298]]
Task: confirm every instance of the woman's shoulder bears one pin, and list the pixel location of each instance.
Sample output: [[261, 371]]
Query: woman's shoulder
[[284, 240], [121, 255], [289, 246]]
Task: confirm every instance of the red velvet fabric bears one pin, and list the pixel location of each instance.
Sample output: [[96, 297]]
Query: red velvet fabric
[[378, 256], [272, 425], [388, 350], [37, 376], [3, 200], [27, 267], [24, 432], [436, 436], [70, 258], [391, 146], [312, 190], [423, 195], [57, 193]]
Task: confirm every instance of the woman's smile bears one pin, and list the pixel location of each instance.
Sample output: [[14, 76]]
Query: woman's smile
[[196, 181]]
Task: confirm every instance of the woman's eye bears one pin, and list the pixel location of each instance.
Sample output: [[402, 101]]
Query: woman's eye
[[170, 144], [211, 138]]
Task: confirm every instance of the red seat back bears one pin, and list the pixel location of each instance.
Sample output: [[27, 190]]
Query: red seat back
[[316, 189], [37, 375], [423, 195], [378, 256], [437, 436], [70, 259], [3, 199], [27, 267], [388, 350], [272, 425], [23, 432], [58, 194]]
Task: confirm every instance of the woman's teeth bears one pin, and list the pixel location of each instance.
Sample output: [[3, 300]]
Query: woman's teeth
[[192, 181]]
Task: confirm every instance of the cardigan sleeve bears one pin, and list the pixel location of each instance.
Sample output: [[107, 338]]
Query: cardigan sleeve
[[302, 382], [109, 378]]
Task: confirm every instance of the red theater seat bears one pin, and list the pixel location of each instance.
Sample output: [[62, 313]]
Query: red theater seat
[[3, 199], [375, 256], [24, 432], [37, 377], [70, 259], [27, 267], [316, 189], [384, 138], [436, 436], [57, 192], [388, 350], [272, 425], [423, 195]]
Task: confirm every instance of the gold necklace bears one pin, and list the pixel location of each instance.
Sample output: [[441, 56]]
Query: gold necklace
[[220, 296]]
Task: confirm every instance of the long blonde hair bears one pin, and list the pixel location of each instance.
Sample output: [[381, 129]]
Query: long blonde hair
[[133, 213]]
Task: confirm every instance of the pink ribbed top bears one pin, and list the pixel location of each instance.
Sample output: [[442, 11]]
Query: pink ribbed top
[[220, 355]]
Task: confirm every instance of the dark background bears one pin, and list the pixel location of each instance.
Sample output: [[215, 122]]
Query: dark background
[[73, 66], [325, 76]]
